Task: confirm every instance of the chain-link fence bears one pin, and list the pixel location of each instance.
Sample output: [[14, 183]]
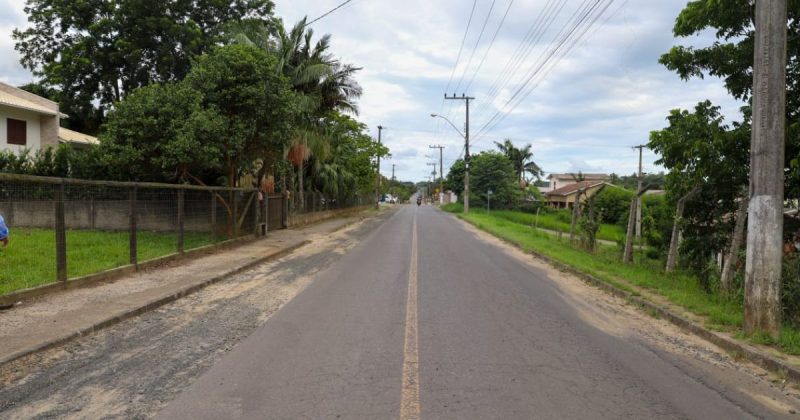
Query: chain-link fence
[[66, 228]]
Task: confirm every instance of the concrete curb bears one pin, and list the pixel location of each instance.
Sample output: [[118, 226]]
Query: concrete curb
[[753, 355], [148, 306]]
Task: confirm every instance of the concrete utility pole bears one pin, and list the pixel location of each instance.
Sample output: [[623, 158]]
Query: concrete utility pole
[[441, 169], [393, 181], [765, 225], [466, 99], [434, 177], [639, 200], [378, 181]]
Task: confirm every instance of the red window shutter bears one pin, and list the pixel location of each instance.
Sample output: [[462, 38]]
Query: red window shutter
[[17, 132]]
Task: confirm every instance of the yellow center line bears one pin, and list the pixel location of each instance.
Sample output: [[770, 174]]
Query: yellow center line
[[409, 400]]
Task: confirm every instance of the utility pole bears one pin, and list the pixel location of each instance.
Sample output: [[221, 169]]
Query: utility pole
[[434, 177], [765, 225], [378, 181], [639, 199], [393, 183], [441, 168], [466, 100]]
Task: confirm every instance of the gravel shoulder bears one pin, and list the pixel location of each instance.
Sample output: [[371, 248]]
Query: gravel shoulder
[[132, 369]]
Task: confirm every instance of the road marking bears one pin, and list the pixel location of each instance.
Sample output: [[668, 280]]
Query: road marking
[[409, 400]]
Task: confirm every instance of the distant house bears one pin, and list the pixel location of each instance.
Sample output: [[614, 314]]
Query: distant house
[[564, 197], [556, 181], [29, 121]]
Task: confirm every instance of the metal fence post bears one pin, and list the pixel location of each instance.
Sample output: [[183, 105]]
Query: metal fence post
[[180, 221], [213, 216], [134, 258], [61, 235]]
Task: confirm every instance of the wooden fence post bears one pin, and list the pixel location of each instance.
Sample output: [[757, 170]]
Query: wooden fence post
[[180, 221], [61, 235], [134, 258], [235, 220], [255, 213], [213, 216], [265, 209]]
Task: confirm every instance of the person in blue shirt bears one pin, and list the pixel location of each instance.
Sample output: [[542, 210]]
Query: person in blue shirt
[[3, 231]]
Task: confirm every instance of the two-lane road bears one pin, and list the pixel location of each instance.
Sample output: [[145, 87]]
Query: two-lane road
[[423, 319]]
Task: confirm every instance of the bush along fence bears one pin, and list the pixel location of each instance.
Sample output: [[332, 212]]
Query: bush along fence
[[65, 228]]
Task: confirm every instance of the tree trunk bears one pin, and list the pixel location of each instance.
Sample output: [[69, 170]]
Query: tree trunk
[[301, 197], [627, 256], [736, 244], [675, 240], [575, 214]]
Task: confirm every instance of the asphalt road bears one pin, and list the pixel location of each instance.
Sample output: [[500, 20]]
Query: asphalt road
[[483, 335]]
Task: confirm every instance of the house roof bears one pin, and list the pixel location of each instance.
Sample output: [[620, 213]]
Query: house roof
[[587, 177], [573, 188], [69, 136], [17, 98]]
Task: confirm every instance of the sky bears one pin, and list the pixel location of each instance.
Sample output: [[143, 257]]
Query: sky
[[583, 112]]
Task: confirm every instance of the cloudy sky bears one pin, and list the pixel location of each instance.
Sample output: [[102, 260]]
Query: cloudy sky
[[583, 112]]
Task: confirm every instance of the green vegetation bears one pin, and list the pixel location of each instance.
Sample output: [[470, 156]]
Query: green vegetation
[[681, 289], [29, 259]]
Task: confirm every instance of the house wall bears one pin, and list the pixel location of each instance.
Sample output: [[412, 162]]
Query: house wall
[[33, 128], [569, 200]]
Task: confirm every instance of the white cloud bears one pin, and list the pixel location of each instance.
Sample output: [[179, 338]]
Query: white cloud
[[606, 96]]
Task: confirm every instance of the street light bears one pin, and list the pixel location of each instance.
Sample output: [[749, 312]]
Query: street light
[[466, 158]]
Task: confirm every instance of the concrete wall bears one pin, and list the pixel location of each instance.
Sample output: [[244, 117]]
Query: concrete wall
[[308, 218], [111, 215]]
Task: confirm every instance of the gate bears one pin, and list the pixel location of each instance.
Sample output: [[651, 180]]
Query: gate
[[275, 209]]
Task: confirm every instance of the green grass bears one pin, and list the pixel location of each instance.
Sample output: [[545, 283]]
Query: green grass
[[551, 221], [29, 258], [678, 288]]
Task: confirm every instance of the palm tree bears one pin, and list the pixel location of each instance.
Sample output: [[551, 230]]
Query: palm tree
[[323, 83], [520, 159]]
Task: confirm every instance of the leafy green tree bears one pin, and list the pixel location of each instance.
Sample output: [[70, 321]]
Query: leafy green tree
[[225, 115], [493, 171], [702, 152], [99, 51], [241, 87], [731, 58], [613, 203], [455, 178]]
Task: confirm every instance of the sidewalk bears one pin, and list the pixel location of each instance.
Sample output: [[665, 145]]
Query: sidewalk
[[54, 319]]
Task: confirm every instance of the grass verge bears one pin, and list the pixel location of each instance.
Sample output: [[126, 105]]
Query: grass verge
[[29, 259], [678, 288], [550, 221]]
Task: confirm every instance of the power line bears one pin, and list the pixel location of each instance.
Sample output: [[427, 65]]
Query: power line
[[458, 58], [566, 43], [329, 12], [494, 37], [535, 32], [477, 42]]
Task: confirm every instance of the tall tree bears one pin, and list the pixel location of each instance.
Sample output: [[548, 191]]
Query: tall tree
[[521, 160], [708, 162], [97, 51]]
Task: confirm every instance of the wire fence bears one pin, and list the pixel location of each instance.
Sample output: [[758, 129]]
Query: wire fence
[[66, 228]]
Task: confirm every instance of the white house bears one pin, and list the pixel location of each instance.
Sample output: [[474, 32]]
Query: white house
[[557, 181], [28, 121]]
